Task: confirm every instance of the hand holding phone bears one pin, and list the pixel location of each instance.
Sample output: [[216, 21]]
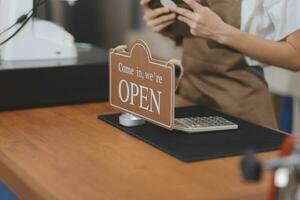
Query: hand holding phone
[[157, 18], [178, 29]]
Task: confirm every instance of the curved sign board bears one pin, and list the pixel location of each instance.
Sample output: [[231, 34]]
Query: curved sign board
[[141, 85]]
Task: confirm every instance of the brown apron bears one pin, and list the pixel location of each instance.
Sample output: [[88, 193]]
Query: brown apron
[[218, 77]]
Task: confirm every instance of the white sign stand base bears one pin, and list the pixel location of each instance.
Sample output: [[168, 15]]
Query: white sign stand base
[[130, 120]]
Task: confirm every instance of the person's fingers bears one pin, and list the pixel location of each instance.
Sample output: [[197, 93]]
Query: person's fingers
[[193, 4], [155, 13], [162, 26], [161, 20], [184, 12], [145, 4], [188, 21]]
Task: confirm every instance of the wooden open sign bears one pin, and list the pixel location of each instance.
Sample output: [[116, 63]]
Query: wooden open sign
[[141, 85]]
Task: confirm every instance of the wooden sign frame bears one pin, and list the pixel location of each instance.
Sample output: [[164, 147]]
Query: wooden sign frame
[[147, 82]]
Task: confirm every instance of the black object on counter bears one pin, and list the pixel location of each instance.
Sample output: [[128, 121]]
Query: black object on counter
[[26, 84], [251, 168], [204, 146]]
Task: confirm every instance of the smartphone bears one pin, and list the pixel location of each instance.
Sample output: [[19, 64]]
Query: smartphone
[[173, 3], [179, 29], [167, 3]]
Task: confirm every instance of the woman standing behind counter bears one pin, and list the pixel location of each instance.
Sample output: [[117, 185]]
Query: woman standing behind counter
[[230, 42]]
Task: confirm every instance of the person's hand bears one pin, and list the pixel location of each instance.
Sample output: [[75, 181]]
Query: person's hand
[[157, 19], [203, 22]]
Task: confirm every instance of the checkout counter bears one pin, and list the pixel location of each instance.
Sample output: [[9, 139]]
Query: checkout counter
[[66, 152]]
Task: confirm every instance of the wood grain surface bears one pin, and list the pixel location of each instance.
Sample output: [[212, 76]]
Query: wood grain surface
[[66, 153]]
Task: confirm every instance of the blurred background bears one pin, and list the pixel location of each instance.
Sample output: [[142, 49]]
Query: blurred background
[[108, 23], [94, 21]]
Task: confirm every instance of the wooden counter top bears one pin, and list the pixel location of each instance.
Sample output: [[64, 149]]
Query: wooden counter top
[[66, 153]]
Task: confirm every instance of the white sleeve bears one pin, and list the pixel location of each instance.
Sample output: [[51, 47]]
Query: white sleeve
[[285, 16]]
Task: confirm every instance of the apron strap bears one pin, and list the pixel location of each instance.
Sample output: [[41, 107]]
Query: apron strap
[[178, 65], [122, 48]]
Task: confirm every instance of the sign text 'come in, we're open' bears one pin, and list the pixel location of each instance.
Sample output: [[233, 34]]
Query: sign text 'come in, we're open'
[[142, 85]]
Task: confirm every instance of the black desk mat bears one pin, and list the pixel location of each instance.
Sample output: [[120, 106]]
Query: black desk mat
[[204, 146]]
